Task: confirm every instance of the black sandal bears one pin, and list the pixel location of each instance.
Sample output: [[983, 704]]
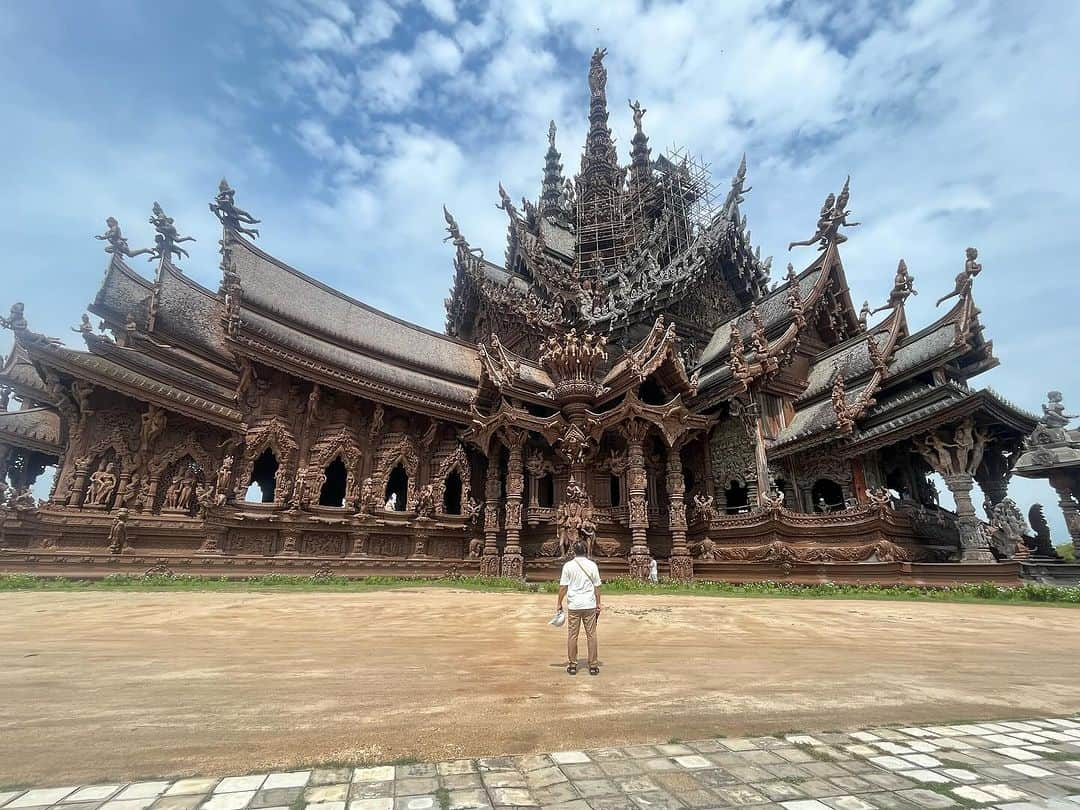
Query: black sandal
[[571, 669], [594, 670]]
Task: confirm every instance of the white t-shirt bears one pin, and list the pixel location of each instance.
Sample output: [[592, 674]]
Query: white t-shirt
[[580, 576]]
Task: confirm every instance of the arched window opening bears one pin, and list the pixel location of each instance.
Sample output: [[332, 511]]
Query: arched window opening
[[397, 489], [615, 488], [262, 475], [737, 498], [827, 495], [451, 499], [333, 489], [545, 491]]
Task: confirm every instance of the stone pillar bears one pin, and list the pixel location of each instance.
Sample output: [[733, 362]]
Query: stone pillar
[[682, 564], [1066, 493], [489, 562], [640, 558], [513, 562], [974, 547]]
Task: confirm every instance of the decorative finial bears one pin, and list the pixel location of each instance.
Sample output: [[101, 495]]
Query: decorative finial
[[17, 323], [903, 286], [231, 217], [1054, 415], [167, 238], [551, 134], [964, 280], [118, 245], [597, 73], [834, 215], [639, 114], [864, 315]]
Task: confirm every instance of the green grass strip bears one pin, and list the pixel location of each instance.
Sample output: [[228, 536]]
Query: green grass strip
[[1027, 593]]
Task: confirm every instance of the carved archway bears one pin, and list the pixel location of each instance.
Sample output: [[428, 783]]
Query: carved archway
[[458, 462], [403, 453], [275, 436]]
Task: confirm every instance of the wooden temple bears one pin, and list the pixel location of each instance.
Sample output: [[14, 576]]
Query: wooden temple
[[629, 375]]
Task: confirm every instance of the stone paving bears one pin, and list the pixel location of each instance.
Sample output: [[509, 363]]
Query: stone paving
[[1008, 765]]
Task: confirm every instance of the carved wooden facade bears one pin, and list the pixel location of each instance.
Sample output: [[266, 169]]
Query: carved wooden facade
[[627, 378]]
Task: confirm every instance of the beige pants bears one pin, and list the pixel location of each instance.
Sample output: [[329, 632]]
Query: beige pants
[[575, 619]]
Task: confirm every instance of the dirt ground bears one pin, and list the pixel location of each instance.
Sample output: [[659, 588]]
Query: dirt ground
[[97, 685]]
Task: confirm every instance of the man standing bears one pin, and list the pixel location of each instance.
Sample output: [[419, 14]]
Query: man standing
[[579, 586]]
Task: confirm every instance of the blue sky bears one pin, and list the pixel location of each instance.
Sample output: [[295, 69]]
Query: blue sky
[[345, 126]]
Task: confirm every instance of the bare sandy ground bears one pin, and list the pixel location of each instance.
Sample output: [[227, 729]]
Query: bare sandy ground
[[100, 686]]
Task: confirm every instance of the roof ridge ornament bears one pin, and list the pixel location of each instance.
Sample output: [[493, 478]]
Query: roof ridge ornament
[[17, 323], [118, 245], [833, 216], [730, 209], [965, 279], [903, 287], [231, 217], [167, 238]]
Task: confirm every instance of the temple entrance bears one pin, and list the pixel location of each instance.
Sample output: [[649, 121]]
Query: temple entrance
[[452, 494], [262, 476], [333, 489], [827, 495], [397, 488], [736, 498]]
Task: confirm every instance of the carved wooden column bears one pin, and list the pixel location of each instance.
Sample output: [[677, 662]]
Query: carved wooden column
[[489, 562], [512, 559], [682, 564], [974, 547], [640, 558], [992, 476], [1067, 492], [955, 456], [77, 490]]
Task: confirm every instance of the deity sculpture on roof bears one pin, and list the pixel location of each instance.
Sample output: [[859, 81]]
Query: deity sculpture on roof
[[232, 217], [118, 245]]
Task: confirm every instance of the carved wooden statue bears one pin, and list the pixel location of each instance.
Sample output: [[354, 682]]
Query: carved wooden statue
[[102, 484]]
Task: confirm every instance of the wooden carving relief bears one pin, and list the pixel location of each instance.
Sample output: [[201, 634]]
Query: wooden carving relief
[[732, 455], [323, 544], [251, 541]]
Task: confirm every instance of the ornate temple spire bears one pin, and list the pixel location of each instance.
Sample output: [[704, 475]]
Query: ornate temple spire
[[599, 161], [640, 155], [551, 190]]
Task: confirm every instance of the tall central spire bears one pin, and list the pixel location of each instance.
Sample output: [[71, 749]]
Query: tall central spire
[[599, 157], [599, 216]]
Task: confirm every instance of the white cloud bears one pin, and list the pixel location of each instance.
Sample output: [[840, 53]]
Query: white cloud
[[442, 10]]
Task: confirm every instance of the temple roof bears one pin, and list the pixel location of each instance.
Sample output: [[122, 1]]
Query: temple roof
[[33, 428], [19, 374], [290, 319], [132, 372], [188, 312]]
